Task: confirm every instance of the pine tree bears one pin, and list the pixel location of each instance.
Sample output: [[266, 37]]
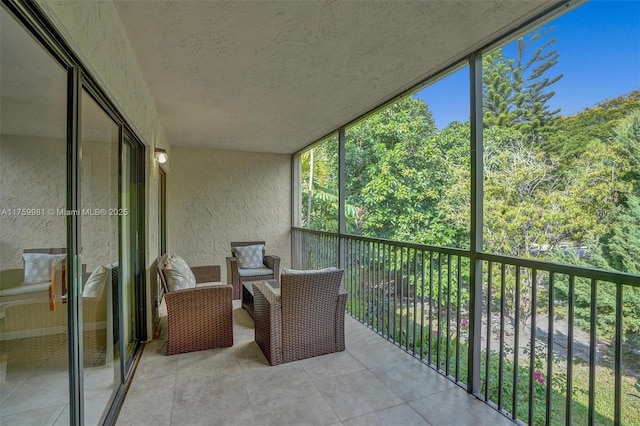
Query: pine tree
[[517, 90]]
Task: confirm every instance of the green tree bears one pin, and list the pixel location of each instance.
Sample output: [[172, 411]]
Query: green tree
[[384, 153], [517, 90]]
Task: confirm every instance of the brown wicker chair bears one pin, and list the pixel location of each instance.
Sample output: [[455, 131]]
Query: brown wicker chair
[[198, 318], [236, 276], [302, 319]]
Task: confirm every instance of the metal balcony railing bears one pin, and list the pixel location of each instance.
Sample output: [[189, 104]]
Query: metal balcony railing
[[550, 339]]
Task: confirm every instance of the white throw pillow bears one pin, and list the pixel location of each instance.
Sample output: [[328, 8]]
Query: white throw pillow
[[286, 271], [178, 274], [249, 257], [96, 282], [37, 267]]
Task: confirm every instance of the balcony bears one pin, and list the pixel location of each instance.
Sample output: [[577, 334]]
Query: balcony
[[372, 382]]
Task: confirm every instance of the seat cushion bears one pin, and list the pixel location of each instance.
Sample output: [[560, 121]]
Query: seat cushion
[[286, 271], [249, 257], [254, 272]]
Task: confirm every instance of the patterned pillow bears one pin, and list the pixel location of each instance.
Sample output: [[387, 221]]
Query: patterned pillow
[[178, 274], [249, 257], [37, 267]]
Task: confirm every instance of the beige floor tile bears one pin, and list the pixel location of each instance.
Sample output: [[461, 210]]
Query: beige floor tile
[[279, 376], [299, 404], [410, 379], [329, 365], [399, 415], [220, 399], [39, 417], [377, 353], [455, 407], [355, 394], [148, 401], [38, 391]]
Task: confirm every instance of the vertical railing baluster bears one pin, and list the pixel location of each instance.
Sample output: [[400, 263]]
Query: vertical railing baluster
[[360, 282], [532, 354], [516, 346], [377, 284], [593, 346], [448, 334], [351, 292], [458, 319], [401, 269], [430, 305], [422, 305], [502, 354], [367, 280], [415, 291], [617, 395], [388, 302], [569, 404], [439, 312], [487, 355], [550, 330], [395, 293]]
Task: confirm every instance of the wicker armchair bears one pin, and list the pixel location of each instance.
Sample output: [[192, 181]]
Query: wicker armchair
[[201, 317], [236, 275], [303, 318]]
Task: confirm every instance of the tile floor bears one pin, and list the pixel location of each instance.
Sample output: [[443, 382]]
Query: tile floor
[[371, 383], [34, 383]]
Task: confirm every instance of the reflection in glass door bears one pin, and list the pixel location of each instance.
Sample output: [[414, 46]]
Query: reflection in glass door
[[100, 263], [34, 356], [131, 248]]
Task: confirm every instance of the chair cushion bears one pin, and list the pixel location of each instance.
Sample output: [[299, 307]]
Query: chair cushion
[[254, 272], [249, 257], [287, 271], [96, 282], [178, 274]]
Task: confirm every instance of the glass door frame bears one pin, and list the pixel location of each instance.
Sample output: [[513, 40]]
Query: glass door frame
[[36, 23]]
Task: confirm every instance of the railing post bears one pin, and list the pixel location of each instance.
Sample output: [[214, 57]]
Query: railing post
[[475, 286], [342, 226]]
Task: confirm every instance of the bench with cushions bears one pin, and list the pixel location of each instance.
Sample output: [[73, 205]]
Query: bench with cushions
[[199, 306]]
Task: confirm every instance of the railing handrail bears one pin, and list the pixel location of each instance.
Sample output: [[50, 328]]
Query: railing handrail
[[425, 247], [578, 271]]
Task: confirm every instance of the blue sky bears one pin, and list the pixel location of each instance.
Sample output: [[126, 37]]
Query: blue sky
[[599, 47]]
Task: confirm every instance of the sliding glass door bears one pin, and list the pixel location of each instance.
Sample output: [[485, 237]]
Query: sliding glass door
[[34, 321]]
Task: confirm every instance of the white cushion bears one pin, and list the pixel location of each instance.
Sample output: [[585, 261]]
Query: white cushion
[[286, 271], [178, 274], [254, 272], [249, 257], [37, 267], [96, 282]]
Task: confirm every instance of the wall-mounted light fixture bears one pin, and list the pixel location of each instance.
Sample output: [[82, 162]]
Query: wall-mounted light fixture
[[161, 155]]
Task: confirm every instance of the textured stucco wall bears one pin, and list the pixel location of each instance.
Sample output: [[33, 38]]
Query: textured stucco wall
[[33, 176], [95, 32], [215, 197]]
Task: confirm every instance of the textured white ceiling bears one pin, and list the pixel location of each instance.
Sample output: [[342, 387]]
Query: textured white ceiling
[[273, 76]]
